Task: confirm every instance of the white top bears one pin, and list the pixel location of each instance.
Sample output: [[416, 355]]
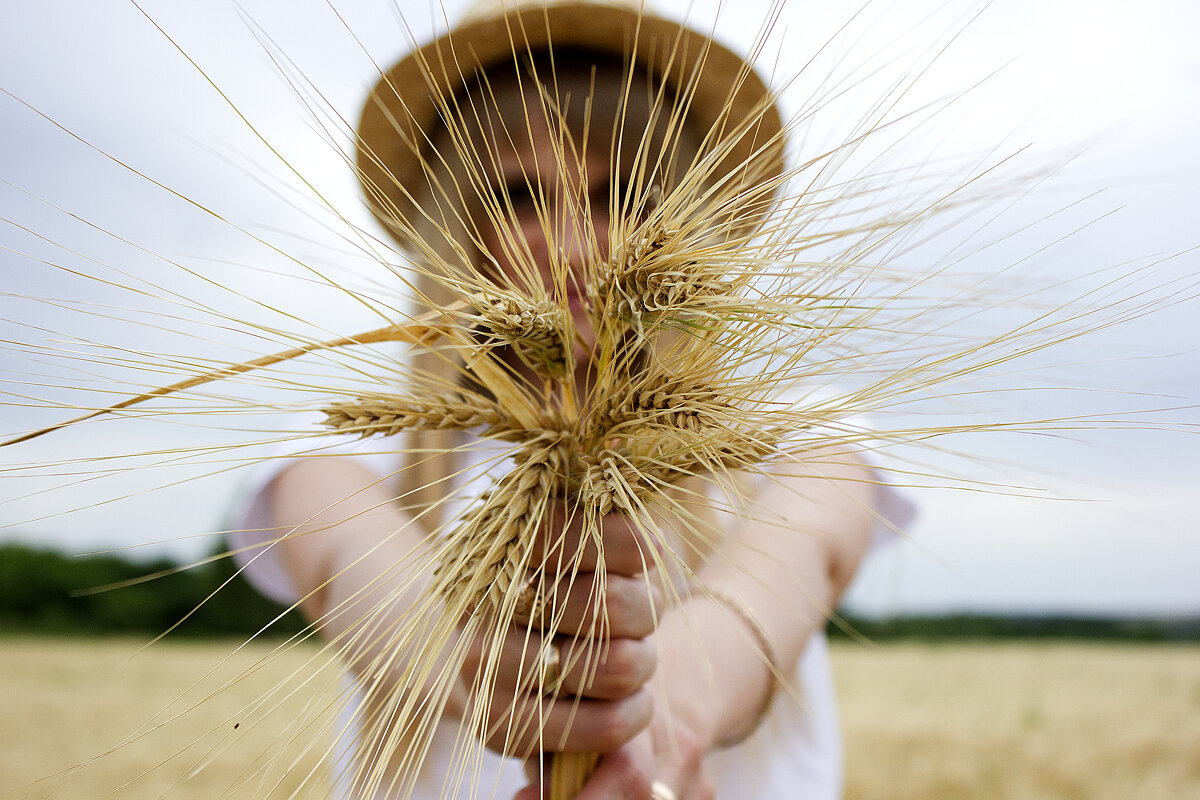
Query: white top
[[796, 751]]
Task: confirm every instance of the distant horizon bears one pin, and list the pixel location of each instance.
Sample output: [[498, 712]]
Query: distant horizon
[[857, 603]]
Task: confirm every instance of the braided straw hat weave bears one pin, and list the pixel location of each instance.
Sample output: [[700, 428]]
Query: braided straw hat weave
[[403, 107]]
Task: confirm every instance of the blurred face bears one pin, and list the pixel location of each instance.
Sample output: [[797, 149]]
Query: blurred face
[[550, 175], [555, 224]]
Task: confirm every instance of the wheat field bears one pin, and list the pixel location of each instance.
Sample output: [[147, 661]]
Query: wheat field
[[1043, 720], [995, 720]]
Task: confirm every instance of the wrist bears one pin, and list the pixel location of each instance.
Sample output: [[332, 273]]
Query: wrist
[[762, 663], [717, 673]]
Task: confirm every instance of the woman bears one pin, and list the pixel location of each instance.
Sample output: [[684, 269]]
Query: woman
[[512, 173]]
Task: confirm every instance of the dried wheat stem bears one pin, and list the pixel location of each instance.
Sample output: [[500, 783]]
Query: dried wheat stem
[[421, 332], [490, 547], [569, 773], [387, 416]]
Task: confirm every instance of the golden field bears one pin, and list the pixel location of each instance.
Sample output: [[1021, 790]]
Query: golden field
[[1004, 720], [1021, 721]]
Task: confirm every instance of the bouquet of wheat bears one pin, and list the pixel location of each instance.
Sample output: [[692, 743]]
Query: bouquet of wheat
[[618, 279]]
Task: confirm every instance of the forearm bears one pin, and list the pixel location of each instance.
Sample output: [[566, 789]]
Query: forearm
[[775, 579], [361, 566]]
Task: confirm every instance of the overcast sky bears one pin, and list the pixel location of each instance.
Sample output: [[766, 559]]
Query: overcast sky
[[1108, 90]]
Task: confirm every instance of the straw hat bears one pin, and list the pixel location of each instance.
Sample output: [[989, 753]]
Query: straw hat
[[401, 109]]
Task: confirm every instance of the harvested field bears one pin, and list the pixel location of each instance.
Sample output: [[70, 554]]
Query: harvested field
[[1004, 720], [1021, 721]]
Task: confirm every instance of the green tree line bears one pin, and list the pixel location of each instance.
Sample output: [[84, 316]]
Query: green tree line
[[961, 627], [47, 591]]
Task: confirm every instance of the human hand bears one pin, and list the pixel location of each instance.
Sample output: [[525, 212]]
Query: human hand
[[594, 625], [663, 762], [615, 543]]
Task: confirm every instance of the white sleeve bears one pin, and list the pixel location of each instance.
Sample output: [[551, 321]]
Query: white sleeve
[[252, 533], [894, 513]]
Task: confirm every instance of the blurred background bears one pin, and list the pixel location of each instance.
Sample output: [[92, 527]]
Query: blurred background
[[162, 176]]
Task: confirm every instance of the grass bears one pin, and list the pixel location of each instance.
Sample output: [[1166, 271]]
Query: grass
[[1005, 720]]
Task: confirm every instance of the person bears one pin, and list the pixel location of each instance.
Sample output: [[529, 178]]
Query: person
[[714, 678]]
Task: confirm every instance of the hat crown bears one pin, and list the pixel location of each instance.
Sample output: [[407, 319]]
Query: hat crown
[[725, 98]]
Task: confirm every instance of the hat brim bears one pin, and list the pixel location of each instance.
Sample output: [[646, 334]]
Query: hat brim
[[724, 91]]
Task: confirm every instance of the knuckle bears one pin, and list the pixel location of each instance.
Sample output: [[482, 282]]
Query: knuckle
[[628, 664], [620, 721], [626, 602], [617, 601]]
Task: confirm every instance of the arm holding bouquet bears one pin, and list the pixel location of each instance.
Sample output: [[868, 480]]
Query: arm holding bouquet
[[657, 704], [759, 597]]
